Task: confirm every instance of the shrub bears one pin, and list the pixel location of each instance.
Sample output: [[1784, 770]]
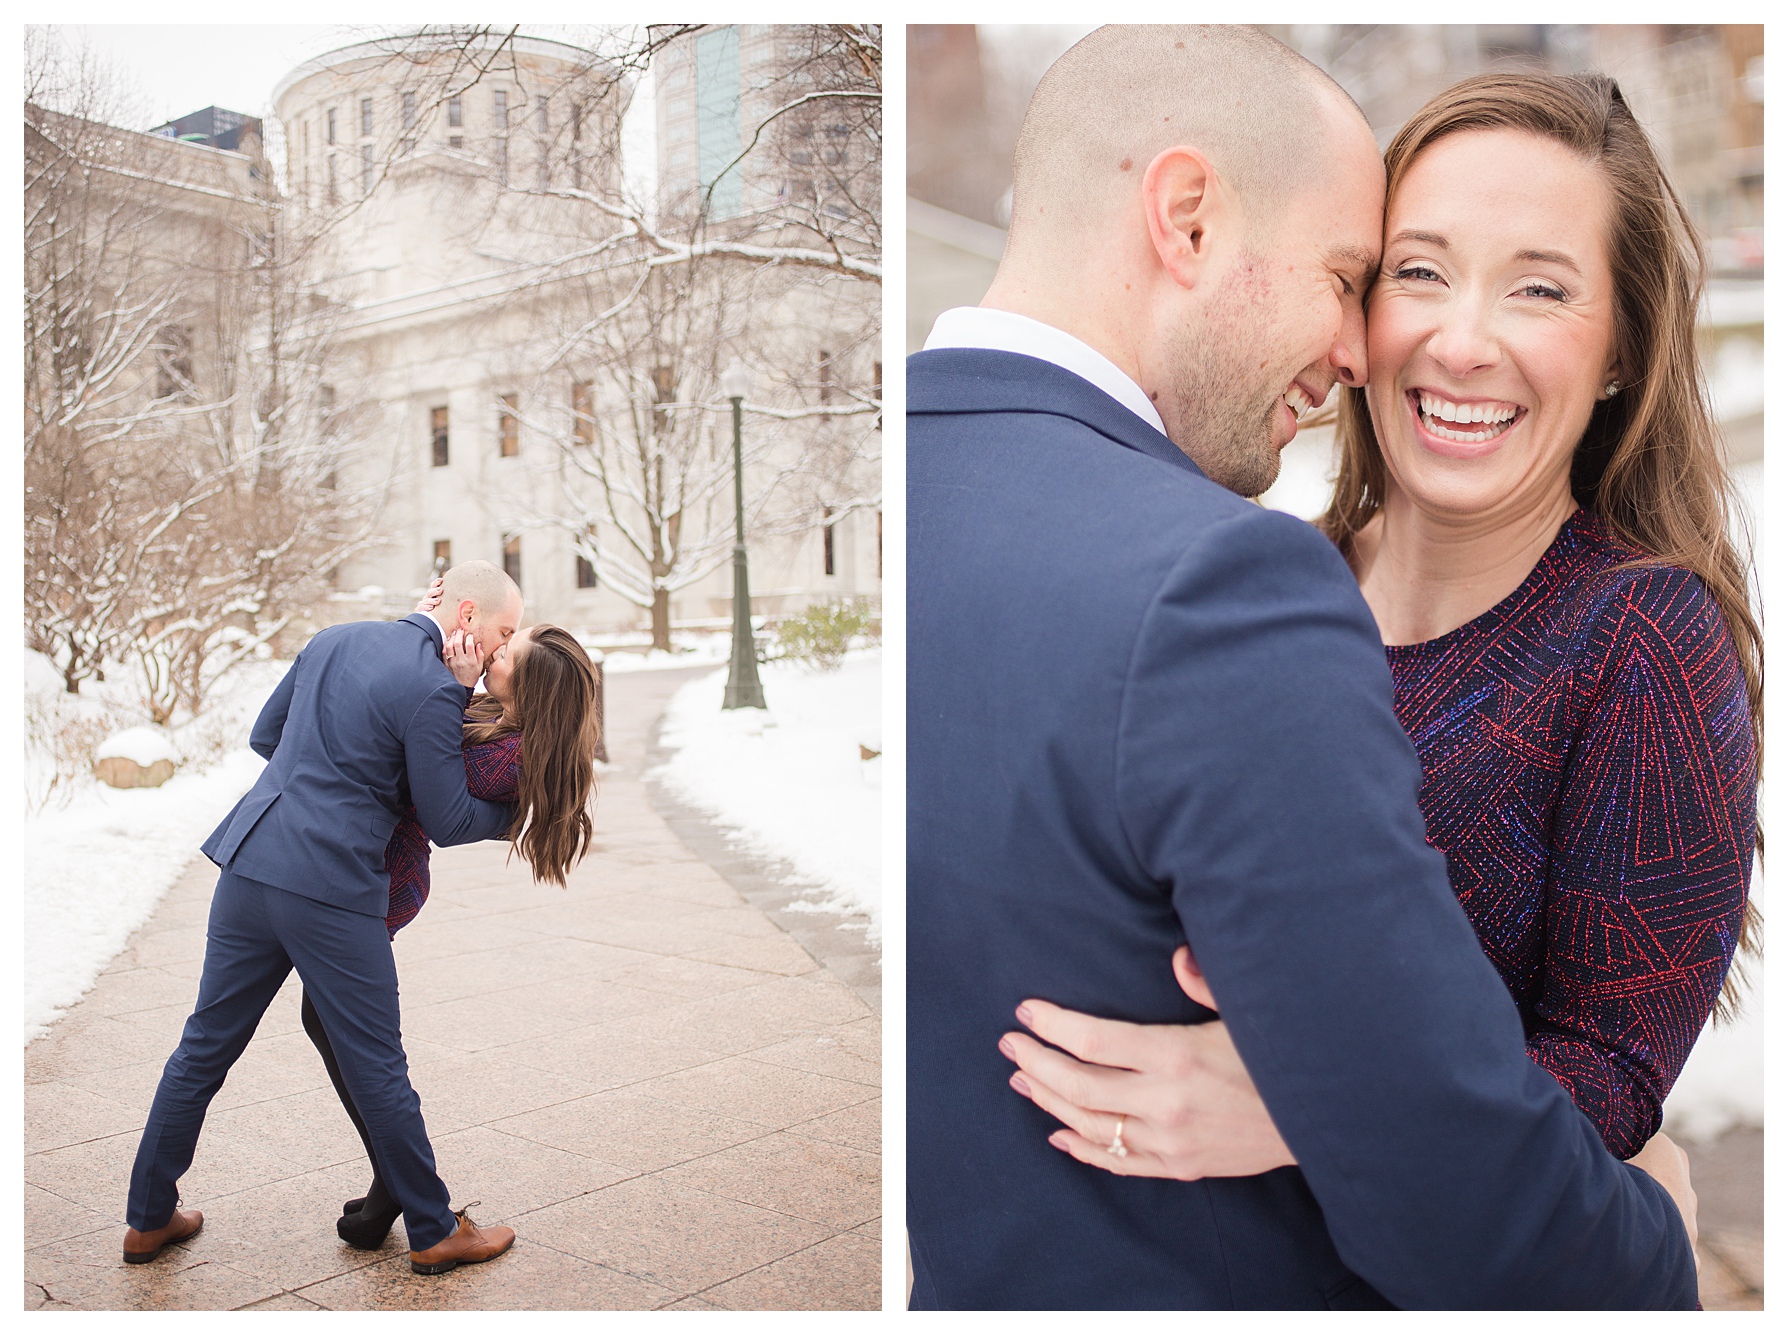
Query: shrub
[[820, 636]]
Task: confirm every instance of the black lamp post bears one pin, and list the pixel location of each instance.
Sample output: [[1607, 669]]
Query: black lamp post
[[743, 690]]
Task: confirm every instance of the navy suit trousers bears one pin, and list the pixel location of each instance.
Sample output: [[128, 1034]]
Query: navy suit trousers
[[257, 935]]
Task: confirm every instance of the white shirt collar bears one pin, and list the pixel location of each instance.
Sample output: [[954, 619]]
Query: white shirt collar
[[1004, 331]]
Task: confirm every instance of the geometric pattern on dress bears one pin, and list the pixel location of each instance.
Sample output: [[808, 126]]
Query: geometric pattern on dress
[[1587, 769], [493, 772]]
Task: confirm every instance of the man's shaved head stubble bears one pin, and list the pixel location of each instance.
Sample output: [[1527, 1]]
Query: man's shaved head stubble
[[1123, 93], [486, 585], [1274, 128], [496, 604]]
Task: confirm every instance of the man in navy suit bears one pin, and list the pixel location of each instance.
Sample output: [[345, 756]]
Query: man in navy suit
[[367, 720], [1144, 711]]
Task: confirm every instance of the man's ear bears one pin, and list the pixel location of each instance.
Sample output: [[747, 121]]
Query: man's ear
[[1183, 200], [467, 611]]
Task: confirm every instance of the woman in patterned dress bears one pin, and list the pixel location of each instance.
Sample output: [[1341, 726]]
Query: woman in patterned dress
[[541, 704], [1533, 497]]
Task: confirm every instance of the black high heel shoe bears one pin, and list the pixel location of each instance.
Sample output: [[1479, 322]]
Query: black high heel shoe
[[362, 1230]]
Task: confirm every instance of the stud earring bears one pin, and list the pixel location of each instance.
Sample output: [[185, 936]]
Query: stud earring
[[1611, 389]]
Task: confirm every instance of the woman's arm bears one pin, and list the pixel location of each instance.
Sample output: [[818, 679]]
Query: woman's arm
[[493, 768], [1651, 856]]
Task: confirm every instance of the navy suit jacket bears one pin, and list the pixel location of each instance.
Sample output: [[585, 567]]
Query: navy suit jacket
[[367, 720], [1142, 711]]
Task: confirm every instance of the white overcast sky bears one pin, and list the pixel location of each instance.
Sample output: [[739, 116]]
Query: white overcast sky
[[176, 68]]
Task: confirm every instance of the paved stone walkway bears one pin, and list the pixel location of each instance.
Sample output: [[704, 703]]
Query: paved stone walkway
[[1728, 1179], [670, 1100]]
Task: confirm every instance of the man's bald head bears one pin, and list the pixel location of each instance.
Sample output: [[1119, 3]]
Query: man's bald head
[[479, 598], [1261, 113], [484, 584]]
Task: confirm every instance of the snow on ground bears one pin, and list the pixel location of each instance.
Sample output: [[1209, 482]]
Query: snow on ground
[[99, 859], [790, 782], [687, 650]]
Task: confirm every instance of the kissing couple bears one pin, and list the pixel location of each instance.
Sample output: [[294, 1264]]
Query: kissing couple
[[375, 745], [1318, 916]]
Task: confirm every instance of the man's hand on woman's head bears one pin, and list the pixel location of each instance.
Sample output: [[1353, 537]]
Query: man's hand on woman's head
[[1175, 1097], [463, 658]]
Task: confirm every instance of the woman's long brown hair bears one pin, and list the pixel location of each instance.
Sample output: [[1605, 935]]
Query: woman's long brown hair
[[1650, 464], [553, 706]]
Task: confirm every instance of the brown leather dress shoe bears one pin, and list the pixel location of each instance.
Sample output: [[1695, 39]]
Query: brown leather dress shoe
[[141, 1248], [468, 1246]]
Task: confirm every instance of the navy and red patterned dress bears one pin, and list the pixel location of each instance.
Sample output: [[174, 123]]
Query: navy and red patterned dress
[[1587, 768], [493, 771]]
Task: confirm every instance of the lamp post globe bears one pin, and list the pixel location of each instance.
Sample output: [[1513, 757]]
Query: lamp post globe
[[743, 690]]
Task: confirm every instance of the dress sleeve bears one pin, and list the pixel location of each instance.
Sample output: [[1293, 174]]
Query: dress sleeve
[[1651, 854], [493, 769]]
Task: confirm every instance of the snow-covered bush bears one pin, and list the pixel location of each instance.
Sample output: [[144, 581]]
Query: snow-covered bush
[[64, 733], [61, 733]]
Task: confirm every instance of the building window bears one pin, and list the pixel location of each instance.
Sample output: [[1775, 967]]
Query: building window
[[443, 554], [499, 115], [330, 115], [830, 549], [409, 111], [583, 420], [512, 558], [438, 423], [334, 194], [456, 141], [837, 150], [455, 113], [586, 573], [825, 377], [366, 169], [717, 119], [366, 117], [541, 119], [508, 428], [173, 363]]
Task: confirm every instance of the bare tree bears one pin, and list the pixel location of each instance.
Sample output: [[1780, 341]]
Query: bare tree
[[640, 473], [280, 413], [184, 412], [97, 303]]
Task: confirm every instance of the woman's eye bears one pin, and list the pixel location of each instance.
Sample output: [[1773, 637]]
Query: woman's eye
[[1419, 273], [1544, 291]]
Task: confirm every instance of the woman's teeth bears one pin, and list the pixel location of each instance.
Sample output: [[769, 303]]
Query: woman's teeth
[[1298, 401], [1489, 419]]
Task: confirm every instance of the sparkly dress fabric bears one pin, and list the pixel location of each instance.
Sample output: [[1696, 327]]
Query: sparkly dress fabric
[[1587, 768], [493, 771]]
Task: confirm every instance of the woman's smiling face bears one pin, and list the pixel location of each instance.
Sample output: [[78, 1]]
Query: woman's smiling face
[[1491, 328]]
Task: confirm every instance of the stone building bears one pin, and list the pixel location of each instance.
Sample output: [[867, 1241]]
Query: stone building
[[469, 211]]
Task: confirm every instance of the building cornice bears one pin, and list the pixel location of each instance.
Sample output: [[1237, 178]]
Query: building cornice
[[381, 49]]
